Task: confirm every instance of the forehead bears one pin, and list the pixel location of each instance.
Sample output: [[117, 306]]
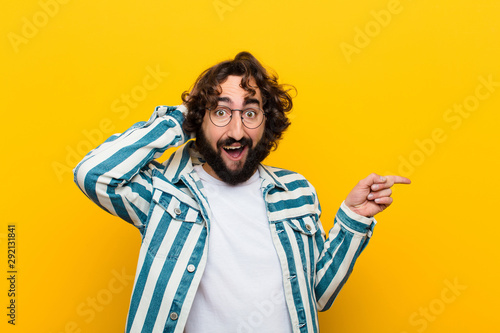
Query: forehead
[[233, 93]]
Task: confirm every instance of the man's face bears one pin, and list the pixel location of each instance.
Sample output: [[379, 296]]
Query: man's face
[[232, 152]]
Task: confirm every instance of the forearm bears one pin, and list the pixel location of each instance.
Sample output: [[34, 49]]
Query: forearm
[[102, 174], [347, 239]]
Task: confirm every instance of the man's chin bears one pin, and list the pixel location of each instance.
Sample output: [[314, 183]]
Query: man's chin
[[235, 172], [234, 167]]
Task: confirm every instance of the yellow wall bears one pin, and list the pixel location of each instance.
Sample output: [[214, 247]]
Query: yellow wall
[[399, 86]]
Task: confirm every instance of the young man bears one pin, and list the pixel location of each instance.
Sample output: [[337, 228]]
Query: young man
[[229, 244]]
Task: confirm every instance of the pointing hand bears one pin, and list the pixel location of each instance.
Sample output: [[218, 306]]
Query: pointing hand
[[373, 194]]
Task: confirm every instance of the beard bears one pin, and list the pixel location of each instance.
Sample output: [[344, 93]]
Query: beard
[[214, 158]]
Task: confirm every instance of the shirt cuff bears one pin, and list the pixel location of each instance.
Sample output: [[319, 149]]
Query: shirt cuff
[[357, 223], [182, 108]]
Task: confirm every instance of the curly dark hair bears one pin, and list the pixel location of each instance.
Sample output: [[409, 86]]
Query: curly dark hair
[[276, 99]]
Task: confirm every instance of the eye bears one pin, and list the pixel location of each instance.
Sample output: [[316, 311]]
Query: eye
[[220, 113], [250, 113]]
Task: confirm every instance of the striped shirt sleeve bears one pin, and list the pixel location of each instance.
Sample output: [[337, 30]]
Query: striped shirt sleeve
[[117, 175], [347, 239]]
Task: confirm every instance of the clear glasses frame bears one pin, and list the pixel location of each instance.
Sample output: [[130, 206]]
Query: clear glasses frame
[[247, 121]]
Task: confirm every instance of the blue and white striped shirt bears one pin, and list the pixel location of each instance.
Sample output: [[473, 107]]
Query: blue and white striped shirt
[[167, 203]]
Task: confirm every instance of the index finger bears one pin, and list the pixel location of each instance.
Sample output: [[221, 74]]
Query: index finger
[[400, 180]]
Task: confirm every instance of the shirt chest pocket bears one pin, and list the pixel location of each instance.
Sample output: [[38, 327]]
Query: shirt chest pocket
[[301, 235], [171, 220], [305, 225]]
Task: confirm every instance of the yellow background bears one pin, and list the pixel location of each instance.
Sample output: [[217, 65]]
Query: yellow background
[[372, 109]]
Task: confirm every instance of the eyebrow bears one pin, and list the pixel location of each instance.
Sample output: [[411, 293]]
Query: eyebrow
[[246, 102]]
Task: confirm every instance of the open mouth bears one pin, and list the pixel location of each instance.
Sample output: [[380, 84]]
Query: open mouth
[[234, 151]]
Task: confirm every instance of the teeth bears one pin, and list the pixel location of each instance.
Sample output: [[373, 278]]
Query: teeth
[[231, 148]]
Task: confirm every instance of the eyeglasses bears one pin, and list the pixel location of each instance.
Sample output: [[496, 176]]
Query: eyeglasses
[[251, 117]]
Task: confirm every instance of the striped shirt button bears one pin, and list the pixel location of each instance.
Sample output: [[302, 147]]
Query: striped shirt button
[[191, 268], [308, 227], [174, 316], [177, 211]]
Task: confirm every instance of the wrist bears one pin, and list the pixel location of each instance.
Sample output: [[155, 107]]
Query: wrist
[[355, 210]]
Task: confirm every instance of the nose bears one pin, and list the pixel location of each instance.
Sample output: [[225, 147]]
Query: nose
[[235, 128]]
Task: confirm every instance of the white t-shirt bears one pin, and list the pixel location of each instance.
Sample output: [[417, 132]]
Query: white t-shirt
[[241, 289]]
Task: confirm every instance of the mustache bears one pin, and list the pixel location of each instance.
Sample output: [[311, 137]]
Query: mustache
[[229, 141]]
